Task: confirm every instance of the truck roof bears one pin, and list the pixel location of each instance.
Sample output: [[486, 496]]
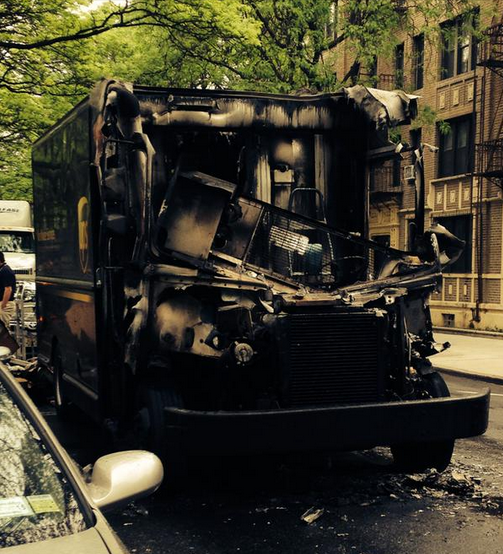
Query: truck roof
[[15, 215], [383, 108]]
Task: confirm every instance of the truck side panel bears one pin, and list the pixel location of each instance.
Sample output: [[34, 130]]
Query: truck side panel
[[61, 201], [65, 262]]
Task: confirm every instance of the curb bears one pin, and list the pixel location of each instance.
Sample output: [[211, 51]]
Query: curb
[[475, 376], [469, 332]]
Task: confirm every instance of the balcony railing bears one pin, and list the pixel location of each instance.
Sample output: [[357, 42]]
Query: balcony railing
[[489, 155], [385, 180], [387, 81], [384, 81]]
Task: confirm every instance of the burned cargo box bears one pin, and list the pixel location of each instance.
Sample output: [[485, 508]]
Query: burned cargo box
[[223, 295]]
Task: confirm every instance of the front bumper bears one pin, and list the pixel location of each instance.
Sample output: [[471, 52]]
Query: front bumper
[[350, 427]]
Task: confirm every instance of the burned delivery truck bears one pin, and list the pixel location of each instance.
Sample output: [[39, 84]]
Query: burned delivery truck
[[205, 276]]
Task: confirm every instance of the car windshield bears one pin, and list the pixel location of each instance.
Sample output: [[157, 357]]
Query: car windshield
[[36, 500], [21, 242]]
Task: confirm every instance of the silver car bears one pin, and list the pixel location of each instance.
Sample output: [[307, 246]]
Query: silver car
[[45, 505]]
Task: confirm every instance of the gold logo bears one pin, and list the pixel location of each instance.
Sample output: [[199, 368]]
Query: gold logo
[[83, 223]]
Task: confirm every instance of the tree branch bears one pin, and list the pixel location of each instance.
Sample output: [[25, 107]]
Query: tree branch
[[103, 27], [267, 27]]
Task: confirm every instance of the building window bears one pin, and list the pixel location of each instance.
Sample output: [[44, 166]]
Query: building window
[[456, 148], [448, 320], [411, 235], [415, 138], [418, 61], [459, 47], [399, 58], [461, 227], [415, 142]]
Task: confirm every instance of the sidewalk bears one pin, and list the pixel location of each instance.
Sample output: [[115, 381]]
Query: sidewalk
[[470, 356]]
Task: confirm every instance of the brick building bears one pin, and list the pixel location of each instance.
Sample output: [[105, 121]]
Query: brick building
[[460, 81]]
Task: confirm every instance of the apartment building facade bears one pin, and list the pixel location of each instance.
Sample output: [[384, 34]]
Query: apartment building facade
[[460, 81]]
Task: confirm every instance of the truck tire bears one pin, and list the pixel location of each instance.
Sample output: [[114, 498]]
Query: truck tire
[[435, 454], [151, 433], [61, 403]]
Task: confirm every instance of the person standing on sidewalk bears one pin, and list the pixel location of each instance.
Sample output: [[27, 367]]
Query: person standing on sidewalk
[[7, 291]]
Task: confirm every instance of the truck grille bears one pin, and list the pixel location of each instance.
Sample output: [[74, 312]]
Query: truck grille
[[334, 358]]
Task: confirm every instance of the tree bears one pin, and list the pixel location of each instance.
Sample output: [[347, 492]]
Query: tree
[[296, 42], [22, 118], [299, 39], [37, 79], [51, 51], [48, 62]]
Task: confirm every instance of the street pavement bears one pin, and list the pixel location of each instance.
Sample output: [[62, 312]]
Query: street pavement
[[256, 505], [471, 356]]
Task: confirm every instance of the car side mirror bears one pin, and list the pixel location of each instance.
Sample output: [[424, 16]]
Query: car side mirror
[[121, 477], [5, 353]]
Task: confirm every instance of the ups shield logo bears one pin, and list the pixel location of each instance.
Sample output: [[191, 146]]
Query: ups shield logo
[[83, 224]]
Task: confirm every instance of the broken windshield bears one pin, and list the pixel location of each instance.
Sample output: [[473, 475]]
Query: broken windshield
[[36, 501], [199, 174], [202, 218], [275, 241], [202, 176]]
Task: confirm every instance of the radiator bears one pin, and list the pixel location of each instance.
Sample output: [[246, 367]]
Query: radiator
[[332, 358]]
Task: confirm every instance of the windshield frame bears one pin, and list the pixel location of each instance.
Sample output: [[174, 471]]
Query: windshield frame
[[264, 209], [57, 452]]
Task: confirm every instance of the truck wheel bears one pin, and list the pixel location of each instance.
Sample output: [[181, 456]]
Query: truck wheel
[[151, 429], [435, 454], [61, 403]]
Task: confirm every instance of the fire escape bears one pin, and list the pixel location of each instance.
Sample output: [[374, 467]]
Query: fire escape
[[488, 166], [489, 147]]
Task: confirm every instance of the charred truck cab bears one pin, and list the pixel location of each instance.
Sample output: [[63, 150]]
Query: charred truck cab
[[205, 278]]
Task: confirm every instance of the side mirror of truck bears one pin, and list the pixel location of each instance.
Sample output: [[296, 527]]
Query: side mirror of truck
[[121, 477]]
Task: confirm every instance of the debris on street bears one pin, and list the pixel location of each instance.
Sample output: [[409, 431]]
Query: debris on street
[[134, 509], [311, 515]]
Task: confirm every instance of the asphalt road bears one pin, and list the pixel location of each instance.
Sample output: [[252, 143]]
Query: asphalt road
[[254, 505], [460, 386]]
